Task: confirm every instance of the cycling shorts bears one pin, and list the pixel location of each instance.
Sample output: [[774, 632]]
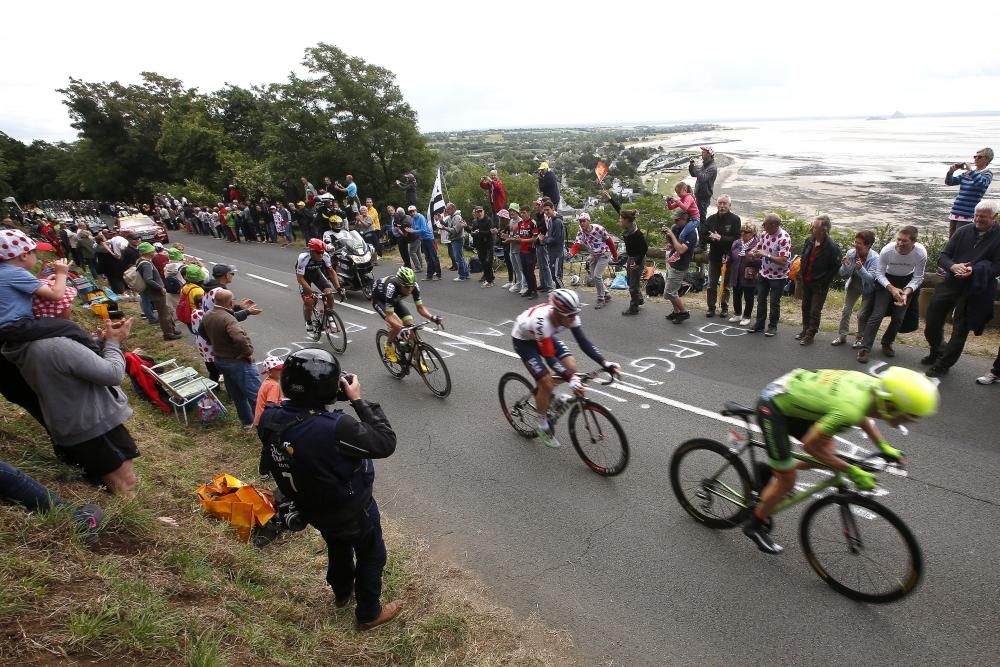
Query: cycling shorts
[[777, 429], [318, 280], [399, 310], [532, 357]]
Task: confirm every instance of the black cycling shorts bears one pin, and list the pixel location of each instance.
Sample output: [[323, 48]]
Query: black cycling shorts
[[318, 280], [101, 455], [399, 310], [777, 428], [532, 357]]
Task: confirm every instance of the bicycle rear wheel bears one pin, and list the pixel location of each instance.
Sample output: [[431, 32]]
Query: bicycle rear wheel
[[396, 368], [860, 548], [711, 483], [601, 442], [433, 370], [517, 401], [336, 334]]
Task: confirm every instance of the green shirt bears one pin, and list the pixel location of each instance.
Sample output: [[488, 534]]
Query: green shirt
[[836, 400]]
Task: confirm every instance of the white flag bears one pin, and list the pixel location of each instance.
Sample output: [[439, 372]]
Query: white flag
[[437, 198]]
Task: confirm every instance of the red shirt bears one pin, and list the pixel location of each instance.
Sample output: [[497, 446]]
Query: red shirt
[[525, 230], [812, 260], [160, 260]]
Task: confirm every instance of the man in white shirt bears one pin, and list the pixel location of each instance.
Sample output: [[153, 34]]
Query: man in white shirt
[[899, 273]]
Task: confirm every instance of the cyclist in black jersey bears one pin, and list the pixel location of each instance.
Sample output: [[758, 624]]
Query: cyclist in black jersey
[[315, 267], [387, 296]]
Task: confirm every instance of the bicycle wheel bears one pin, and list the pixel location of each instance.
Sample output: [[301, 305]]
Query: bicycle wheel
[[336, 334], [601, 442], [517, 401], [860, 548], [396, 368], [367, 284], [432, 369], [317, 322], [711, 483]]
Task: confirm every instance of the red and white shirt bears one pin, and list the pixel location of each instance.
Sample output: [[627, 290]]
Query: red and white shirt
[[536, 324], [777, 245], [596, 241]]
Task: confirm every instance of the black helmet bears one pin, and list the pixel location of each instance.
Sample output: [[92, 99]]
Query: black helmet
[[311, 377]]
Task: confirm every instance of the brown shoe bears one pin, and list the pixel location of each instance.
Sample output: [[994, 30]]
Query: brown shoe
[[863, 356], [887, 350], [389, 612]]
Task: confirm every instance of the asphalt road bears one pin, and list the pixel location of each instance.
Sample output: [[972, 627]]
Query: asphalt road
[[616, 561]]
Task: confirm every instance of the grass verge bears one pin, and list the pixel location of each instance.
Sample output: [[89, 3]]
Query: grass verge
[[191, 593]]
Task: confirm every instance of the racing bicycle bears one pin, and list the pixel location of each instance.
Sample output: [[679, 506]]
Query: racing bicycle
[[855, 544], [325, 320], [596, 435], [411, 352]]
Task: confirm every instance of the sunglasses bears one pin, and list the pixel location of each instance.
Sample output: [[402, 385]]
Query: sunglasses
[[978, 156]]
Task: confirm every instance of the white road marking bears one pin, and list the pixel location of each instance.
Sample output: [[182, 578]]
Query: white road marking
[[266, 280], [351, 305]]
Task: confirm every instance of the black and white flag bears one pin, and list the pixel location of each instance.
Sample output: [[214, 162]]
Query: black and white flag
[[437, 198]]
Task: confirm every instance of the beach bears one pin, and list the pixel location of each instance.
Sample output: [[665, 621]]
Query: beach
[[862, 173]]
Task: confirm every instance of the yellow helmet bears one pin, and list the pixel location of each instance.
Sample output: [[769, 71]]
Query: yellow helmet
[[909, 392]]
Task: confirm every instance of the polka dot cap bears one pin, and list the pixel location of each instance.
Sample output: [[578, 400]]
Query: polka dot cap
[[45, 308], [14, 243]]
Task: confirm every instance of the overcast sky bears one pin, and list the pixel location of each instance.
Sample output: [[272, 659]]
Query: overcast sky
[[509, 63]]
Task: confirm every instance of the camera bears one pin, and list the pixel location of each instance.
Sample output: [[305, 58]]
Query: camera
[[341, 394], [288, 515]]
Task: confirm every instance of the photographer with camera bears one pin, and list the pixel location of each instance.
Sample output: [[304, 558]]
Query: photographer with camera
[[321, 460], [973, 183]]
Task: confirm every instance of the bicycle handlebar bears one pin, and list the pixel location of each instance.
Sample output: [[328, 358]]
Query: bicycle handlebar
[[593, 375], [425, 323]]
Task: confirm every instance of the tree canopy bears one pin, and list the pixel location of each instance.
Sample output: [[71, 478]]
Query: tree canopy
[[343, 116]]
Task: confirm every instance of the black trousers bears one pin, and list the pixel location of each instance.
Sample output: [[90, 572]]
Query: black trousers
[[633, 272], [813, 298], [947, 298], [356, 563], [486, 259]]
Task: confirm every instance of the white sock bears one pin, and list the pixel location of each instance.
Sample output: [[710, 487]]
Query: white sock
[[543, 423]]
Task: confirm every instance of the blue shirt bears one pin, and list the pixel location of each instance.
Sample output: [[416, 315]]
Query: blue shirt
[[972, 186], [352, 190], [17, 286], [421, 227], [689, 237]]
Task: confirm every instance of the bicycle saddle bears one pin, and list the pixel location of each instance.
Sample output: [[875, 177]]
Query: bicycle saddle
[[736, 410]]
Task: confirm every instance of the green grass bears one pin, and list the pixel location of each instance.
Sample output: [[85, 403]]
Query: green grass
[[191, 593]]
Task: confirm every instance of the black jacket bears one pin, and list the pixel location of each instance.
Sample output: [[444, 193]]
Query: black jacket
[[482, 232], [728, 226], [322, 460], [965, 246], [635, 243], [826, 264], [549, 186]]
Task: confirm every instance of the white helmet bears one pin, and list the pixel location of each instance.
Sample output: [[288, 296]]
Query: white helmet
[[565, 301]]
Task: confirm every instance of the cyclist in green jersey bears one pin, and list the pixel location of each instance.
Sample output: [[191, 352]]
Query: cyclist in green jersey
[[814, 406]]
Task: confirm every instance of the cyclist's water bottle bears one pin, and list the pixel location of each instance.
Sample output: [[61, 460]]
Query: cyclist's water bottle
[[560, 404]]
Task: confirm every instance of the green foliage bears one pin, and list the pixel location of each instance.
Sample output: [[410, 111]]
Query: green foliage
[[345, 116]]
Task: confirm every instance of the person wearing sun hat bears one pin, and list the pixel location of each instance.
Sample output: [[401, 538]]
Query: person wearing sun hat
[[89, 430], [270, 388], [17, 284], [155, 291]]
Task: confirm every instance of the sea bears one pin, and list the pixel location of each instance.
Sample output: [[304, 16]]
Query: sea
[[861, 172]]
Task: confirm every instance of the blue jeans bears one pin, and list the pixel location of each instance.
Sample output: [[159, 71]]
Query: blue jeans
[[364, 577], [544, 272], [769, 301], [242, 385], [458, 255], [555, 266], [433, 261], [147, 307], [24, 490]]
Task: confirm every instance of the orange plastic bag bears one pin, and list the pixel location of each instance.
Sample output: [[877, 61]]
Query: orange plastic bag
[[244, 506]]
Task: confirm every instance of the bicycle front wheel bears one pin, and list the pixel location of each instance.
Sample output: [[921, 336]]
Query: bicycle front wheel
[[432, 369], [601, 442], [860, 548], [517, 401], [396, 368], [336, 334], [711, 483]]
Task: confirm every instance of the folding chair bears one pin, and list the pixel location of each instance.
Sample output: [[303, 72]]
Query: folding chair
[[183, 384]]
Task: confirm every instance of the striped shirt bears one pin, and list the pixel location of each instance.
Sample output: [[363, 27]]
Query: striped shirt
[[972, 186]]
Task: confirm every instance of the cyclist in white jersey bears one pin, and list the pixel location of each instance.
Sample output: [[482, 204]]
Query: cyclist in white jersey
[[315, 267], [534, 339]]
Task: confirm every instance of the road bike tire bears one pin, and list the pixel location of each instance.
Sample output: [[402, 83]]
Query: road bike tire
[[603, 455], [336, 333], [512, 390], [828, 544], [705, 474], [396, 369], [436, 369]]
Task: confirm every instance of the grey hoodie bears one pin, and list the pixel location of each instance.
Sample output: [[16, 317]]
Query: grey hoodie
[[77, 388], [453, 224]]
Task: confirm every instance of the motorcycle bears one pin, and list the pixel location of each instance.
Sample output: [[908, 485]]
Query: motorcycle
[[354, 260]]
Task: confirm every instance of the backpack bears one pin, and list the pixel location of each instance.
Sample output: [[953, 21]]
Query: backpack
[[172, 283], [694, 281], [184, 306], [655, 285], [134, 279], [475, 266]]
